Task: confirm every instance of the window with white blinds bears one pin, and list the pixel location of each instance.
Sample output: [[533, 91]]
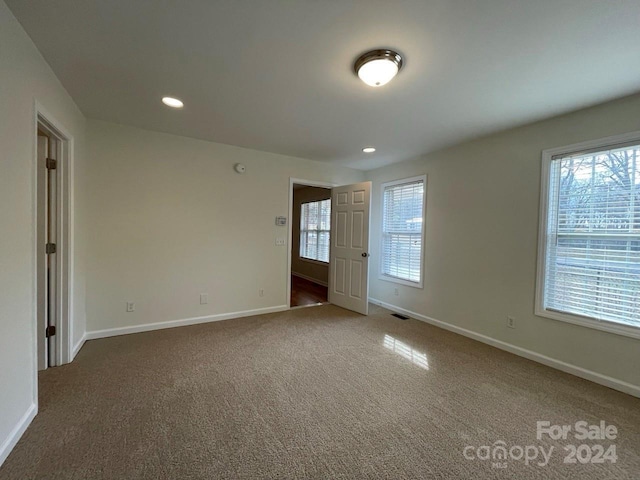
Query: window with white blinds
[[315, 229], [403, 206], [591, 263]]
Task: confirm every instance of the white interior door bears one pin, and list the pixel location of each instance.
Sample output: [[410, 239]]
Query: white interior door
[[43, 148], [349, 259], [52, 257]]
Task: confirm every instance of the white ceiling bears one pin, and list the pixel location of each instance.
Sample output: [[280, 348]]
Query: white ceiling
[[276, 75]]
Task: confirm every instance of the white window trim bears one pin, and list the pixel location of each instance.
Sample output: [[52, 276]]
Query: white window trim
[[308, 259], [311, 260], [547, 156], [388, 278]]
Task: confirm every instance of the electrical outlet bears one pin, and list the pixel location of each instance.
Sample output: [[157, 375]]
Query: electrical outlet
[[131, 307], [396, 292], [261, 292], [511, 322], [204, 298]]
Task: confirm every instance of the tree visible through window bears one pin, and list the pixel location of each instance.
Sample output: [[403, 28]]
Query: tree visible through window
[[315, 228], [592, 249]]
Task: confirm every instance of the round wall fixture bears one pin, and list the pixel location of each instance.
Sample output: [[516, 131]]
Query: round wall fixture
[[378, 67], [239, 168]]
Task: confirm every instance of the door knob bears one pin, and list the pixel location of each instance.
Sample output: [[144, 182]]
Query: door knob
[[365, 254]]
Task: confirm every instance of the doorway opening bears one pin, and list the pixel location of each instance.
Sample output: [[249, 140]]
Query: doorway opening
[[310, 244], [341, 242], [52, 246]]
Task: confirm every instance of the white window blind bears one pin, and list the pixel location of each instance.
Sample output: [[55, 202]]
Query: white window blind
[[592, 262], [315, 228], [402, 230]]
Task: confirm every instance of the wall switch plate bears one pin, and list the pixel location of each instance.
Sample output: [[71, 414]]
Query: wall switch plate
[[280, 241], [511, 322], [204, 298], [131, 307], [396, 292], [261, 292]]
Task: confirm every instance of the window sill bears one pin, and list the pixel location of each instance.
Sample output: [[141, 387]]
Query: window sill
[[315, 262], [400, 281], [603, 325]]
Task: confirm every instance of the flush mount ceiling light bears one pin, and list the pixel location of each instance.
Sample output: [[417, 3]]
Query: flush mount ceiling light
[[172, 102], [378, 67], [369, 149]]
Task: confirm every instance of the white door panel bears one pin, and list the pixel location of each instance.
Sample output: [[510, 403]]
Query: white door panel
[[52, 259], [41, 230], [349, 263]]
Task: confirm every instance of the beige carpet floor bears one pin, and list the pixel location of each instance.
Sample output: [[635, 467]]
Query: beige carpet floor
[[310, 393]]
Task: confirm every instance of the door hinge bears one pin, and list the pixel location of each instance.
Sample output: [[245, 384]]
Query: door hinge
[[50, 248], [52, 163], [50, 331]]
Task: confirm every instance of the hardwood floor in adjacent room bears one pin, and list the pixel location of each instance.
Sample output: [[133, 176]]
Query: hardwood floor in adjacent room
[[304, 292]]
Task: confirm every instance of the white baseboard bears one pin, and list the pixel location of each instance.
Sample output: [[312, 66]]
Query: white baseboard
[[146, 327], [595, 377], [78, 346], [17, 432], [311, 279]]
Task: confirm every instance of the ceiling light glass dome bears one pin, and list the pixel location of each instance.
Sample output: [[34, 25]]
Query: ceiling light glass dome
[[378, 67]]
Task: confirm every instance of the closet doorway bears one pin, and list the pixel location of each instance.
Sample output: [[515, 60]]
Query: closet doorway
[[53, 243]]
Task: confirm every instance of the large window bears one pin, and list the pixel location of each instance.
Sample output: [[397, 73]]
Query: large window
[[315, 227], [403, 203], [589, 270]]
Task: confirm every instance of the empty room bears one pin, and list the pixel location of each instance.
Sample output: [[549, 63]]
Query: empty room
[[316, 239]]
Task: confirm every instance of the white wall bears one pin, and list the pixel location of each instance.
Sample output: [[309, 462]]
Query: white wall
[[160, 219], [170, 219], [481, 239], [25, 77], [310, 269]]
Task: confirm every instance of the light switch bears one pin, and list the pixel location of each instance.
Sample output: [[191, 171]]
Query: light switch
[[280, 241]]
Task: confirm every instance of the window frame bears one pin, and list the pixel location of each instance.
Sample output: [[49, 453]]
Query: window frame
[[389, 278], [540, 310], [308, 259]]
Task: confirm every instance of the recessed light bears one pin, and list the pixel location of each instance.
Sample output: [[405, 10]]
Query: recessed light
[[378, 67], [172, 102], [368, 149]]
